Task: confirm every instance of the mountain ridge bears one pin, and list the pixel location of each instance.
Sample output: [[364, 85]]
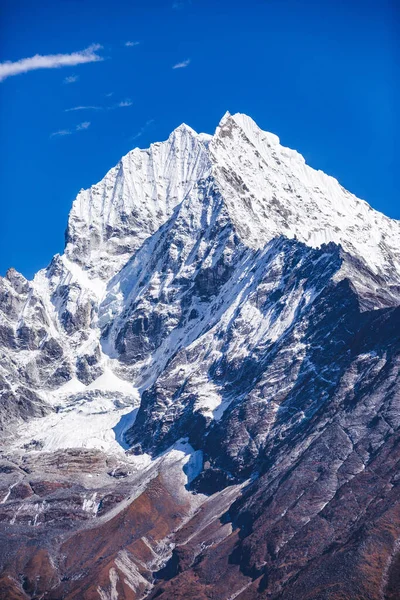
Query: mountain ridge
[[221, 332]]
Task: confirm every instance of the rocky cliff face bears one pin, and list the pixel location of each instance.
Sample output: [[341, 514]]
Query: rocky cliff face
[[205, 383]]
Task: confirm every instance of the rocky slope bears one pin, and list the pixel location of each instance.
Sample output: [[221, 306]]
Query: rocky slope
[[200, 398]]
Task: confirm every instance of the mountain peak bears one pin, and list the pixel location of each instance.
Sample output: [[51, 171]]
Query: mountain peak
[[184, 128], [224, 119], [267, 189], [198, 330], [247, 125]]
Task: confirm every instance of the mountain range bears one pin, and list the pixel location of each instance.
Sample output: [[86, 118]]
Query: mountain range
[[200, 398]]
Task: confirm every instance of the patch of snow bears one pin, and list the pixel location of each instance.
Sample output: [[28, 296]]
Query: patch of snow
[[134, 579], [6, 497], [85, 421], [73, 386], [109, 382], [89, 504]]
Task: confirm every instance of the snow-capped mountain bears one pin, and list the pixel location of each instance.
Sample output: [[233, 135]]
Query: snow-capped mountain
[[221, 308]]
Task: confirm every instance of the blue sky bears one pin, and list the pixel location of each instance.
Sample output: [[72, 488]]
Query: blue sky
[[322, 75]]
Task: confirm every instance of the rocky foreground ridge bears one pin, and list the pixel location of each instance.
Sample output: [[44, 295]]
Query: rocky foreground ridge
[[200, 398]]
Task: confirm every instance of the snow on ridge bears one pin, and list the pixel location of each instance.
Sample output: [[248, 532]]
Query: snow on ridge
[[110, 220], [268, 188], [270, 191]]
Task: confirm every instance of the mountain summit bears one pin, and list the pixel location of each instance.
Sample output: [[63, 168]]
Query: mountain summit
[[205, 382], [267, 189]]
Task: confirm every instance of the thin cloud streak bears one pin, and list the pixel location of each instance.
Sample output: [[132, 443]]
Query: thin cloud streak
[[182, 65], [84, 108], [61, 133], [50, 61], [122, 104], [71, 79], [64, 132], [131, 44], [142, 129]]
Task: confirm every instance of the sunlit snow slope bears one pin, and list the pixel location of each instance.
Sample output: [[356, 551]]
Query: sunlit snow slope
[[162, 256], [201, 396]]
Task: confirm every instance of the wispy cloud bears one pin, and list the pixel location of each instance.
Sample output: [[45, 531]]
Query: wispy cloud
[[124, 103], [49, 61], [64, 132], [71, 79], [84, 108], [142, 129], [83, 125], [131, 44], [179, 4], [182, 65], [61, 133], [109, 94]]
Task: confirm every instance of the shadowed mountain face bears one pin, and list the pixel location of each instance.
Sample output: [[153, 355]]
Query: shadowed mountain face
[[200, 398]]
